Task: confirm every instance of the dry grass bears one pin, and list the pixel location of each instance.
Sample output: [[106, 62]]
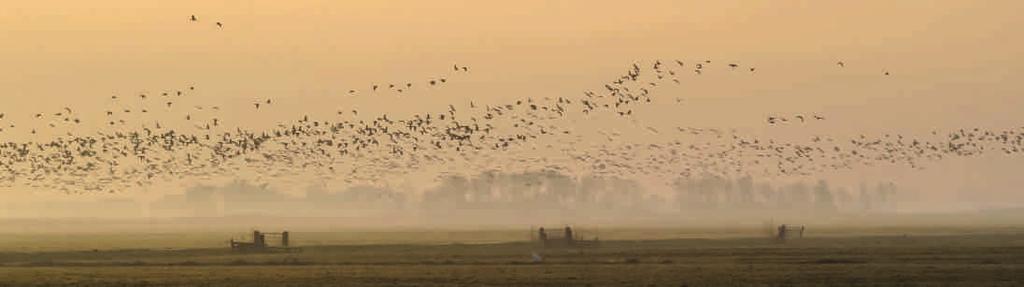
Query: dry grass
[[935, 260]]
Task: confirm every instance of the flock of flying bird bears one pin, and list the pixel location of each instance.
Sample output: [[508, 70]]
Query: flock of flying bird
[[136, 151]]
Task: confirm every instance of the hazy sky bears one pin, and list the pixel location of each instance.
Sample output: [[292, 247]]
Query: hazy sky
[[954, 63]]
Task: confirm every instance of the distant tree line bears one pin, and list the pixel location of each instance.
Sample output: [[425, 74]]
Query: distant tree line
[[549, 190], [744, 193], [539, 191]]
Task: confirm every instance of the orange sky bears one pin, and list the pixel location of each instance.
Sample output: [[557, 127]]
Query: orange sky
[[954, 63]]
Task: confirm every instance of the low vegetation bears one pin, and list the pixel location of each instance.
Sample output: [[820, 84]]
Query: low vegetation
[[979, 259]]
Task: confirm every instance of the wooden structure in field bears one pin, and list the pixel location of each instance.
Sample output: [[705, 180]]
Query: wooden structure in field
[[790, 231], [567, 238], [259, 242]]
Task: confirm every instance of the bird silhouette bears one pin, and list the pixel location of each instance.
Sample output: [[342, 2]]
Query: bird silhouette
[[137, 150]]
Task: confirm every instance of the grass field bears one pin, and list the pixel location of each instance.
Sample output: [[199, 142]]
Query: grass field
[[964, 258]]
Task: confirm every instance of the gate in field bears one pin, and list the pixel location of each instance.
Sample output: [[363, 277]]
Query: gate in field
[[259, 242], [567, 238], [785, 231]]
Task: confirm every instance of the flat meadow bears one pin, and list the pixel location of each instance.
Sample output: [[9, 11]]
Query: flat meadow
[[623, 257]]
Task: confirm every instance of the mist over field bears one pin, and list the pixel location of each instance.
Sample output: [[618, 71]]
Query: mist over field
[[501, 201], [526, 143]]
